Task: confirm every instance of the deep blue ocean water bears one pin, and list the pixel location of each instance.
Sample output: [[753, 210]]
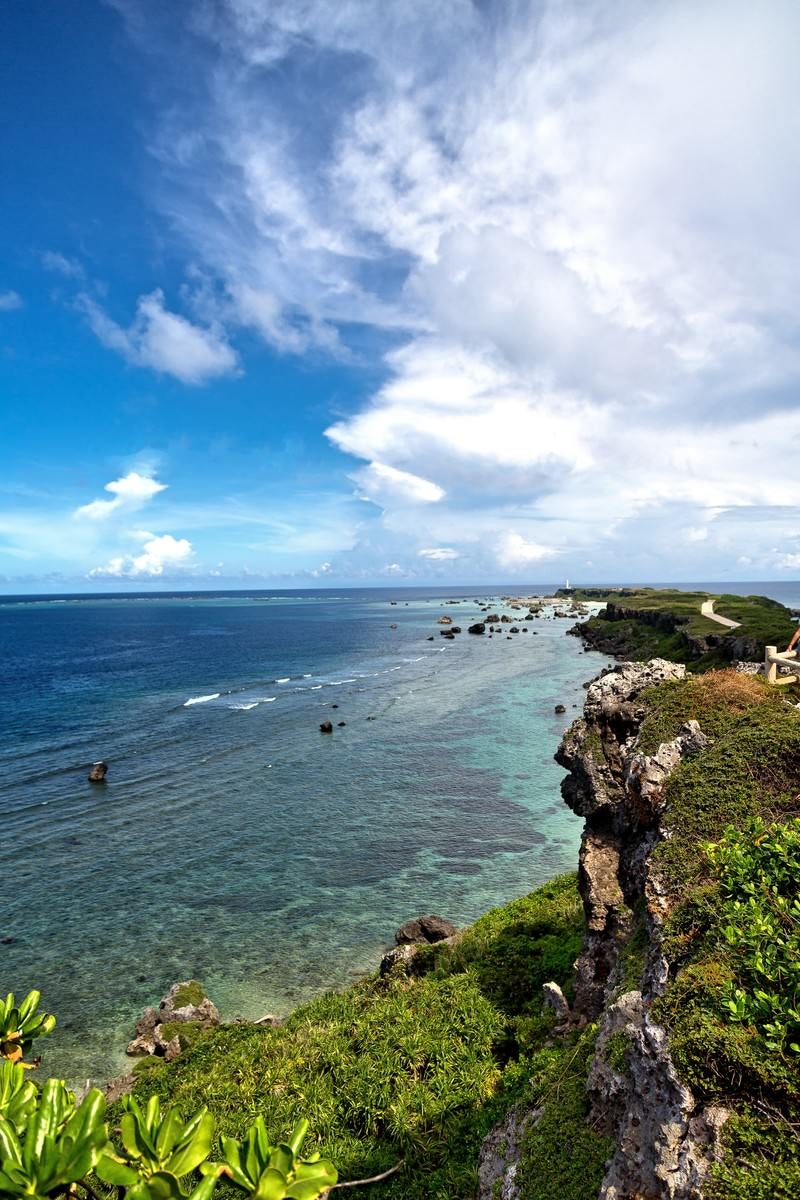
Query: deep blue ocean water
[[235, 843]]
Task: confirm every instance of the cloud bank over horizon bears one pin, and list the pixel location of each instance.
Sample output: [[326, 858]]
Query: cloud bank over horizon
[[564, 232]]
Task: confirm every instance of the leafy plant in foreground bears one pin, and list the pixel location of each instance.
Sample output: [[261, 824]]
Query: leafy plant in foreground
[[20, 1025], [759, 871], [158, 1151], [59, 1144], [274, 1173], [49, 1146], [18, 1095]]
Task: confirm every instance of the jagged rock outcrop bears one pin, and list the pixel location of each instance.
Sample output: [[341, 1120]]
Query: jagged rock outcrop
[[665, 1141], [158, 1031], [497, 1165], [665, 1145]]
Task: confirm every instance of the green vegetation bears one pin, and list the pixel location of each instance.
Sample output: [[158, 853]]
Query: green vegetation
[[562, 1156], [409, 1071], [189, 993], [413, 1069], [731, 874], [759, 873], [53, 1147], [671, 625], [21, 1025]]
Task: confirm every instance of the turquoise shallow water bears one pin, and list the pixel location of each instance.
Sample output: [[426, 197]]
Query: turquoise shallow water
[[233, 841]]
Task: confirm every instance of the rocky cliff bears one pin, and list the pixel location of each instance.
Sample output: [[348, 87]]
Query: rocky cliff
[[665, 1138]]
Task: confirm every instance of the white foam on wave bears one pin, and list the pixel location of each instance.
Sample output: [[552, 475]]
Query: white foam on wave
[[268, 699], [242, 707], [200, 699], [315, 687], [339, 682], [286, 680]]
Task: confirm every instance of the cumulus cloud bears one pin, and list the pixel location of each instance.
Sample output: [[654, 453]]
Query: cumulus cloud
[[130, 493], [513, 551], [384, 484], [577, 222], [9, 301], [158, 553], [163, 340]]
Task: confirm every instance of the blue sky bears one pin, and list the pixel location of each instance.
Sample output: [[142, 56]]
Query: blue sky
[[307, 293]]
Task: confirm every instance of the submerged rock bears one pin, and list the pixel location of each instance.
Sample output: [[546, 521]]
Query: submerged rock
[[98, 772], [325, 727], [478, 627]]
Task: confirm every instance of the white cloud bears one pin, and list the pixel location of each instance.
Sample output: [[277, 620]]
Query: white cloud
[[439, 554], [513, 551], [384, 484], [130, 492], [163, 340], [159, 553], [53, 260], [10, 301], [579, 218]]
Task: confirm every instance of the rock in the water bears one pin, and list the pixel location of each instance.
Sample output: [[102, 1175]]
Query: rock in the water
[[185, 1003], [478, 627], [424, 929], [188, 1002], [325, 727], [98, 772], [341, 723], [444, 620], [559, 708]]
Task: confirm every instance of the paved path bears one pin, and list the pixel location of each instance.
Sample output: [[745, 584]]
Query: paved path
[[707, 610]]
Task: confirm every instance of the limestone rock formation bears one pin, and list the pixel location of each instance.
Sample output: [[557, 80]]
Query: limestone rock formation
[[665, 1140], [185, 1004]]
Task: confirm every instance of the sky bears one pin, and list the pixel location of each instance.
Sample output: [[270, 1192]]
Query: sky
[[305, 293]]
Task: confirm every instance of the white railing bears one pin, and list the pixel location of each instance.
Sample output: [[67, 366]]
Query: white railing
[[773, 658]]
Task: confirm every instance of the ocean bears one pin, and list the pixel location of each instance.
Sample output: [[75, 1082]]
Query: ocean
[[235, 843]]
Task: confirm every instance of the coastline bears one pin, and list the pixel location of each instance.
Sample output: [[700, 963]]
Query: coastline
[[484, 824]]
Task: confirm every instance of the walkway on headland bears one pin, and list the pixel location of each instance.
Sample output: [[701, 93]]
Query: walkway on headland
[[707, 610]]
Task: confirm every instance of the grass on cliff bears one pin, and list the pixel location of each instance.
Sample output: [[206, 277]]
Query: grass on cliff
[[412, 1068], [750, 773], [760, 619]]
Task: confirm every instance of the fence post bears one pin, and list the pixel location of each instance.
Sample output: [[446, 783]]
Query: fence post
[[770, 666]]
